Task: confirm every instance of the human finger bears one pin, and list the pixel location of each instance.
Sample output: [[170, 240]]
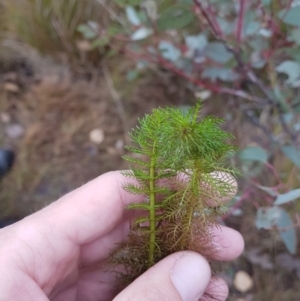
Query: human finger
[[182, 276], [217, 289], [227, 243], [90, 211]]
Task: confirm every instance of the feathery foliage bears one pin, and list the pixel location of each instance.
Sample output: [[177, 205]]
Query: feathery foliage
[[182, 177]]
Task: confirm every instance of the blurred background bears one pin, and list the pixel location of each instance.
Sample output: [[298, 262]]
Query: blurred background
[[75, 75]]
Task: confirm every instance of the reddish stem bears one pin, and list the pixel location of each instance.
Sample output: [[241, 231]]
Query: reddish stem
[[271, 167], [210, 18], [240, 22]]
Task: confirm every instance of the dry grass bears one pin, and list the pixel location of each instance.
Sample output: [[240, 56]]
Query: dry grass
[[51, 26]]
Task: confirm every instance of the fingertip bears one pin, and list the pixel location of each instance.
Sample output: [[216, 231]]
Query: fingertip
[[182, 276], [228, 243], [217, 289], [190, 276]]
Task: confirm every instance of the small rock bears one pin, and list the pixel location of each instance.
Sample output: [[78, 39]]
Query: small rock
[[97, 136], [14, 131], [119, 145], [83, 45], [203, 95], [11, 87], [5, 118], [242, 281], [6, 161]]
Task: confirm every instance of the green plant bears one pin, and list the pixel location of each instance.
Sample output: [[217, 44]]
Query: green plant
[[181, 172]]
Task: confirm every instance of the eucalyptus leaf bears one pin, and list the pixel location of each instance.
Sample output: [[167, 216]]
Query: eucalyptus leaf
[[287, 197], [269, 190], [295, 35], [87, 31], [132, 75], [224, 74], [169, 51], [128, 2], [226, 26], [287, 231], [194, 43], [290, 17], [292, 70], [141, 33], [292, 153], [218, 52], [132, 16], [253, 153], [251, 28], [175, 17], [275, 217], [151, 8], [266, 217]]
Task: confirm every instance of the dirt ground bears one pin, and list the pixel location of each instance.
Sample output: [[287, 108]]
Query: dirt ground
[[47, 115]]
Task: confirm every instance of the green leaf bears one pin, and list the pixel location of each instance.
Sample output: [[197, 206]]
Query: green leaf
[[218, 52], [287, 197], [132, 75], [292, 70], [292, 153], [87, 32], [295, 35], [169, 51], [194, 43], [251, 28], [287, 231], [226, 26], [100, 42], [290, 17], [132, 16], [275, 217], [265, 217], [124, 3], [141, 33], [224, 74], [268, 190], [175, 17], [151, 8], [253, 153]]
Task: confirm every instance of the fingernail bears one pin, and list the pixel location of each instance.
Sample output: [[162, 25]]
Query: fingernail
[[190, 276]]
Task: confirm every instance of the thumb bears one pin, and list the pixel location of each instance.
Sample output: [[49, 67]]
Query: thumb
[[182, 276]]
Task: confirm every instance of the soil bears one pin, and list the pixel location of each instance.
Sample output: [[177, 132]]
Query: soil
[[56, 110]]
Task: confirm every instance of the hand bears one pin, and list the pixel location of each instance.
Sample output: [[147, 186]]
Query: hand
[[61, 253]]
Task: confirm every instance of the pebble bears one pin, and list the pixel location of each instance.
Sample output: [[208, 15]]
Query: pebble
[[97, 136], [5, 118], [14, 131], [11, 87], [242, 281]]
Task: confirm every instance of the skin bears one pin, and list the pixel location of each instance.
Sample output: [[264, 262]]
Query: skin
[[61, 252]]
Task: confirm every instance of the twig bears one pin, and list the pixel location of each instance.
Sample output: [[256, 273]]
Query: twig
[[212, 22], [256, 122], [111, 12], [240, 22], [117, 99]]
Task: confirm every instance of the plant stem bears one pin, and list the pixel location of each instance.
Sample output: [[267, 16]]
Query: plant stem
[[152, 209]]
